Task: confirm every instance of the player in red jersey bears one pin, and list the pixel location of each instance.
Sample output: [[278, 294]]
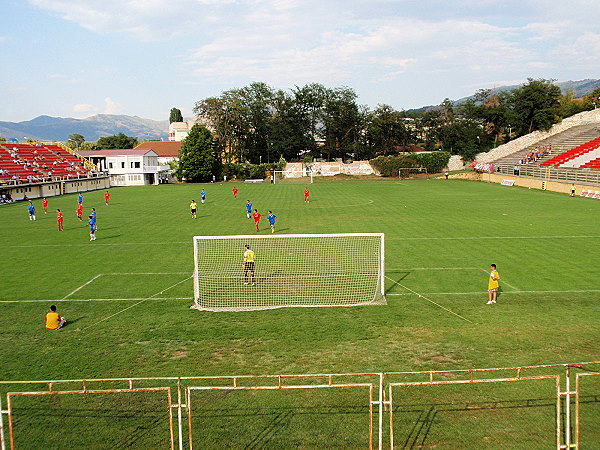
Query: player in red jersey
[[59, 220], [235, 191], [45, 205], [306, 195], [256, 217], [106, 197], [79, 210]]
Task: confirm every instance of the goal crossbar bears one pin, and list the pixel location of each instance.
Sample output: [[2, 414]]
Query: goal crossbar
[[288, 270]]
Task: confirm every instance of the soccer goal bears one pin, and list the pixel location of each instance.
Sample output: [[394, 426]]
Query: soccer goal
[[408, 172], [289, 270], [299, 175]]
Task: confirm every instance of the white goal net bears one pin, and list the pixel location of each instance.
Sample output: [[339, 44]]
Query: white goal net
[[409, 172], [288, 270]]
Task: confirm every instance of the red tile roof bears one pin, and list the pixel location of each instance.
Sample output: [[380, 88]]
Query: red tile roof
[[162, 148]]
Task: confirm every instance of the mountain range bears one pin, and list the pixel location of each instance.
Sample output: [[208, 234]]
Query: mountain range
[[46, 128], [580, 88]]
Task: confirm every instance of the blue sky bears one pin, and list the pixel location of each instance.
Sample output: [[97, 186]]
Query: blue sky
[[76, 58]]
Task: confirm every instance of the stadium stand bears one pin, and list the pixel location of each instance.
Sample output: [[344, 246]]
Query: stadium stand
[[30, 163], [574, 153], [553, 146], [593, 164]]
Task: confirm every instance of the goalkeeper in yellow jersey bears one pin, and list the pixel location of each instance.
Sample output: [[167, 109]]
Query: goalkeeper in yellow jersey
[[248, 264], [493, 285]]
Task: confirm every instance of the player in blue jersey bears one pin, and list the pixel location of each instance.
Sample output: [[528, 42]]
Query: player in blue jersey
[[272, 217], [31, 209], [248, 209], [80, 198], [202, 195], [92, 224]]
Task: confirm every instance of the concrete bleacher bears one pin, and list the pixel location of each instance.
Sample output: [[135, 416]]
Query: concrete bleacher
[[27, 163], [559, 143]]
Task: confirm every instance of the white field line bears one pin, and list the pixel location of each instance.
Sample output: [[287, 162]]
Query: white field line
[[469, 238], [147, 273], [135, 304], [503, 281], [429, 300], [574, 291], [72, 300], [81, 287], [432, 268]]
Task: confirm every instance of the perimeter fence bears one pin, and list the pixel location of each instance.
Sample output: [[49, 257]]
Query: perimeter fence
[[540, 406]]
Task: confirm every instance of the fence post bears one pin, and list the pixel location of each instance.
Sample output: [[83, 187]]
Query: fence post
[[2, 444]]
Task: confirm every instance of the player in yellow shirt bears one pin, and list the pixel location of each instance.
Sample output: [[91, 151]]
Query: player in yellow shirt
[[193, 209], [248, 264], [53, 320], [493, 284]]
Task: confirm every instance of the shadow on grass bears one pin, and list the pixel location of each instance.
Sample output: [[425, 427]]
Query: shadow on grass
[[397, 278], [427, 417]]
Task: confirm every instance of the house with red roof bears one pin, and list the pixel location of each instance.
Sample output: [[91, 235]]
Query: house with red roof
[[129, 167]]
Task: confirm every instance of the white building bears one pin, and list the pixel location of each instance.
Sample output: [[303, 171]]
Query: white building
[[178, 131], [128, 167]]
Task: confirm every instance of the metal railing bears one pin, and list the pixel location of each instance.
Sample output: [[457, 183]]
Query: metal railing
[[379, 402], [561, 174]]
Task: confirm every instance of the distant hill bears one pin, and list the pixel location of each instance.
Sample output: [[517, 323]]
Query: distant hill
[[46, 128], [581, 88]]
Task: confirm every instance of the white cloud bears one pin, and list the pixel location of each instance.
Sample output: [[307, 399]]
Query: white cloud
[[83, 108], [111, 107]]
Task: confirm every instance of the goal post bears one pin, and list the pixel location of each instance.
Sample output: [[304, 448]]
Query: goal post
[[407, 172], [290, 270], [291, 175]]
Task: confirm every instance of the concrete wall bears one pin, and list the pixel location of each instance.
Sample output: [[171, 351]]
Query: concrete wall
[[533, 183], [54, 188], [516, 145], [455, 163], [325, 169]]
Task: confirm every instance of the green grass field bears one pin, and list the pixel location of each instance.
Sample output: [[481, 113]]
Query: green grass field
[[127, 297]]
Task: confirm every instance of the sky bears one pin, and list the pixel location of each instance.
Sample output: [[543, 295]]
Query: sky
[[77, 58]]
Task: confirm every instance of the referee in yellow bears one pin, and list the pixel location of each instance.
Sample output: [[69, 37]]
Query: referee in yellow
[[493, 284], [248, 264]]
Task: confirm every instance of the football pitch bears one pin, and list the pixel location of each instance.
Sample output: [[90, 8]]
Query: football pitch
[[127, 296]]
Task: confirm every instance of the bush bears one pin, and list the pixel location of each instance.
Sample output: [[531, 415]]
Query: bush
[[389, 166], [247, 171]]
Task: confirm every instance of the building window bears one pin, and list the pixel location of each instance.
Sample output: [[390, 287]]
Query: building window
[[122, 164], [110, 166]]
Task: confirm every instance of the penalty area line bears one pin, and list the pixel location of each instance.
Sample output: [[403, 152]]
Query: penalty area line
[[504, 281], [431, 301], [73, 300], [81, 287], [138, 303]]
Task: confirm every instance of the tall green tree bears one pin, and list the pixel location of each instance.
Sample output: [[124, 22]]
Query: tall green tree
[[75, 141], [535, 106], [198, 159], [343, 122], [175, 115], [385, 129], [117, 141]]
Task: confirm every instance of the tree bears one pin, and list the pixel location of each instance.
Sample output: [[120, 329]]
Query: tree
[[198, 160], [75, 141], [535, 106], [175, 115], [385, 129], [117, 141], [343, 122], [2, 138]]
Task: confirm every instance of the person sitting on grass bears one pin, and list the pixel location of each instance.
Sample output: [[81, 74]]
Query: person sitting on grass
[[53, 320]]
